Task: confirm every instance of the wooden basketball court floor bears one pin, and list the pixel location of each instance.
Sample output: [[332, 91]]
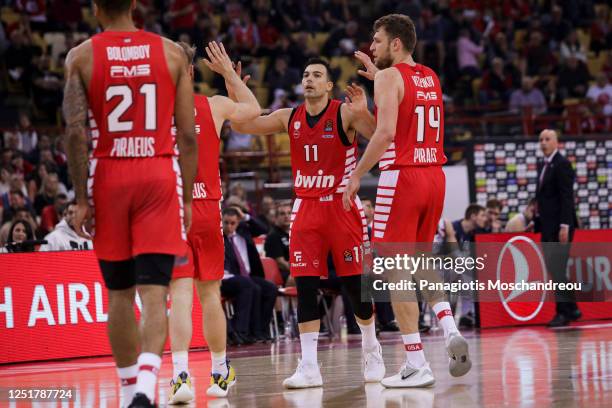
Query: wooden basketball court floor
[[516, 367]]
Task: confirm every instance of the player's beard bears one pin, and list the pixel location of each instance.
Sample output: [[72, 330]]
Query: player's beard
[[385, 61]]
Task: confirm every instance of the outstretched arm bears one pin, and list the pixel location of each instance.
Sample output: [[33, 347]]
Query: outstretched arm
[[387, 96], [275, 122], [244, 107], [75, 114]]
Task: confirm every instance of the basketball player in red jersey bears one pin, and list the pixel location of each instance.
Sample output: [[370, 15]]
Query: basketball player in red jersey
[[205, 239], [133, 83], [408, 145], [323, 154]]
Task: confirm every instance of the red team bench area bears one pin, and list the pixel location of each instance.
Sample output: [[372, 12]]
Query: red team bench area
[[54, 307]]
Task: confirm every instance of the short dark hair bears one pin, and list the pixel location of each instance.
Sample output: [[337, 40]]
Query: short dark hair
[[398, 26], [190, 51], [473, 209], [320, 61], [114, 7], [18, 192], [231, 211], [494, 203]]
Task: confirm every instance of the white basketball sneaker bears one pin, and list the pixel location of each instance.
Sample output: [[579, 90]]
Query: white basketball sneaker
[[373, 365], [459, 362], [410, 377], [306, 375]]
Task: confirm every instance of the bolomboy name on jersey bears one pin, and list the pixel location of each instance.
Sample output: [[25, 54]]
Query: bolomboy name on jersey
[[130, 53]]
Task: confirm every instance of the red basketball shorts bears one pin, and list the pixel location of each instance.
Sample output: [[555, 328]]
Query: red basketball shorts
[[205, 242], [320, 226], [137, 206], [409, 204]]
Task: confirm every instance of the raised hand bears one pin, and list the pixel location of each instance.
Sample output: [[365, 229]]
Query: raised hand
[[355, 99], [230, 89], [371, 69], [218, 60]]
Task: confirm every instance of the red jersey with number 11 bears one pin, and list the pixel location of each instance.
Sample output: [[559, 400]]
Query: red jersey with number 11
[[322, 158], [419, 134], [131, 96]]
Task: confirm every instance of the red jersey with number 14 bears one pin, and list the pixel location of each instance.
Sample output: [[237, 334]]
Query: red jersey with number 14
[[419, 134], [322, 158], [207, 184], [131, 96]]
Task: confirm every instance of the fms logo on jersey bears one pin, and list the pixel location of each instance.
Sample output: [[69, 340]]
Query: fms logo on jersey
[[520, 260], [296, 128], [297, 257]]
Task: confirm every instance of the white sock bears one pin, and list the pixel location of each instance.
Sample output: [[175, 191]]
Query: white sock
[[414, 349], [368, 336], [445, 316], [309, 343], [148, 368], [180, 362], [219, 364], [128, 376]]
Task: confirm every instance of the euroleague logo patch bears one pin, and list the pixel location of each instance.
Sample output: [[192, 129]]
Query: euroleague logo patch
[[329, 126], [348, 255]]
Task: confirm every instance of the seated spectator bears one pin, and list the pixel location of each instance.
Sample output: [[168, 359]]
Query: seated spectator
[[52, 214], [538, 58], [574, 78], [572, 46], [64, 236], [244, 35], [312, 15], [20, 214], [47, 87], [44, 143], [46, 196], [527, 96], [277, 241], [27, 138], [523, 221], [429, 32], [291, 15], [601, 31], [467, 54], [335, 13], [559, 27], [12, 201], [494, 208], [368, 209], [496, 83], [5, 179], [244, 273], [19, 234], [600, 94], [268, 34], [267, 212], [281, 76], [343, 40]]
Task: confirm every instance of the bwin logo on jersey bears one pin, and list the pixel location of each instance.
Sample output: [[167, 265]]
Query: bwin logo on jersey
[[318, 181]]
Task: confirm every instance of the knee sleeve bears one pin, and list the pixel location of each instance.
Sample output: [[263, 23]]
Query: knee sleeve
[[153, 269], [118, 275], [307, 293], [352, 286]]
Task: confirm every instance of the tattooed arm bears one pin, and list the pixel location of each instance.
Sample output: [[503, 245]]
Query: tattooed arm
[[75, 114]]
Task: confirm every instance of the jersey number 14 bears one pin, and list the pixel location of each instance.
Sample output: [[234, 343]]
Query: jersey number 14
[[433, 121]]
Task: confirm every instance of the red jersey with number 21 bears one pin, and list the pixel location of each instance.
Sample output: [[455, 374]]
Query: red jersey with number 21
[[419, 134], [131, 96]]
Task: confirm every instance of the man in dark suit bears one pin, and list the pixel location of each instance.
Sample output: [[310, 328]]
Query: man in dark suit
[[244, 281], [557, 220]]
